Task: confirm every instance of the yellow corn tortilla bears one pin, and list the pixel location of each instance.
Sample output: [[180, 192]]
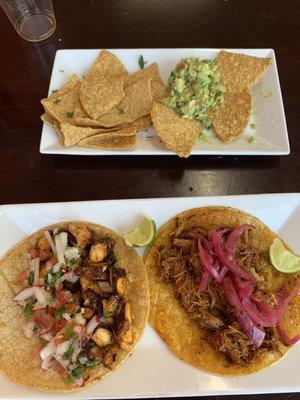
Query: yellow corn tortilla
[[102, 87], [240, 71], [231, 117], [112, 141], [136, 103], [182, 335], [179, 134], [142, 123], [71, 134], [158, 89], [19, 356]]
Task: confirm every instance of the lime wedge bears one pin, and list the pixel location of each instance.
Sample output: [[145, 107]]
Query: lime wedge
[[282, 259], [142, 235]]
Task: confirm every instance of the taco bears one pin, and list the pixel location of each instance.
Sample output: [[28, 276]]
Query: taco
[[74, 303], [215, 299]]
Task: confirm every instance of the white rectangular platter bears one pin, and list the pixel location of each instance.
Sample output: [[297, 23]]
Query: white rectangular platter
[[152, 371], [268, 116]]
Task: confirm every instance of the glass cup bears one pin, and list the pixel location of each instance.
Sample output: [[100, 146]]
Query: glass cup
[[34, 20]]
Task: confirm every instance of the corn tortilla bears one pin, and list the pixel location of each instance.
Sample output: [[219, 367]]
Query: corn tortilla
[[19, 356], [179, 134], [231, 117], [240, 71], [112, 141], [183, 335]]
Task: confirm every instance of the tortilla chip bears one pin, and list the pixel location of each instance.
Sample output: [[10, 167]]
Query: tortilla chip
[[19, 356], [172, 322], [102, 87], [117, 140], [158, 89], [136, 103], [71, 134], [239, 71], [55, 125], [179, 134], [65, 108], [99, 94], [142, 123], [230, 118], [67, 87]]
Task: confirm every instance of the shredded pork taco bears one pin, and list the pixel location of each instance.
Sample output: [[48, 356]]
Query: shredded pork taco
[[216, 300], [74, 303]]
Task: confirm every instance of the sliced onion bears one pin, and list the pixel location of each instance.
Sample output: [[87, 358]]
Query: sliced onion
[[67, 317], [204, 282], [284, 337], [223, 271], [56, 267], [47, 336], [216, 238], [254, 314], [38, 306], [50, 241], [61, 242], [243, 289], [40, 294], [231, 294], [92, 324], [35, 267], [77, 329], [233, 236], [46, 363], [70, 276], [79, 319], [63, 347], [206, 260], [76, 352], [24, 294], [28, 329], [48, 350], [254, 333]]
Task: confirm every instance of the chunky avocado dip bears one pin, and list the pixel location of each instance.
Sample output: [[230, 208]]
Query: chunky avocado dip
[[195, 88]]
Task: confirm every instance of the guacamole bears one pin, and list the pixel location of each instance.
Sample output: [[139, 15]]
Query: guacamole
[[195, 88]]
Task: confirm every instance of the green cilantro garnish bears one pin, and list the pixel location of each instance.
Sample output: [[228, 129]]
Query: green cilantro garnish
[[113, 259], [70, 114], [92, 363], [252, 126], [78, 371], [68, 332], [57, 274], [60, 312], [61, 70], [120, 110], [30, 277], [69, 351], [56, 101], [72, 262], [142, 62], [54, 91], [28, 310]]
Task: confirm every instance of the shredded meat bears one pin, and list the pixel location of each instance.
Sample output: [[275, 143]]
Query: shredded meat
[[180, 266]]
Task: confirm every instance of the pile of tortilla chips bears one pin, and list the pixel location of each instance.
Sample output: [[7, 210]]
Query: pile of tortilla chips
[[238, 73], [107, 108]]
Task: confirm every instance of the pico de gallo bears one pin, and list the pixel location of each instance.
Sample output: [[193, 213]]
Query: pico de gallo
[[75, 301]]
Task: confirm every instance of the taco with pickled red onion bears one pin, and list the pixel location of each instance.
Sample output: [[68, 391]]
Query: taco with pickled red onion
[[215, 298], [74, 303]]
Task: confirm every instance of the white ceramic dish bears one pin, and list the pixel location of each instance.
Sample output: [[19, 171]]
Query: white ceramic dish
[[268, 113], [153, 371]]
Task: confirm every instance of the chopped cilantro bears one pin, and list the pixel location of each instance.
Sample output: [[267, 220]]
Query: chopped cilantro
[[252, 140], [120, 110], [252, 126], [57, 274], [69, 351], [113, 259], [91, 363], [142, 62], [54, 91], [56, 101], [60, 312], [68, 332], [30, 277], [70, 114], [61, 70], [78, 371], [28, 310], [72, 262]]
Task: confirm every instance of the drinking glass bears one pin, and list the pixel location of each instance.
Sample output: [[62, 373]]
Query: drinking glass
[[34, 20]]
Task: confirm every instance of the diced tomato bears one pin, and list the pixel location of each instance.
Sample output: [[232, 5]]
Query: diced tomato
[[45, 255], [52, 261], [95, 352], [51, 310], [61, 296], [60, 369], [59, 287], [22, 276], [43, 317], [58, 325], [33, 252], [71, 307]]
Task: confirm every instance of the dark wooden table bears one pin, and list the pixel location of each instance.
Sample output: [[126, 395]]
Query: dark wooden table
[[25, 68]]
